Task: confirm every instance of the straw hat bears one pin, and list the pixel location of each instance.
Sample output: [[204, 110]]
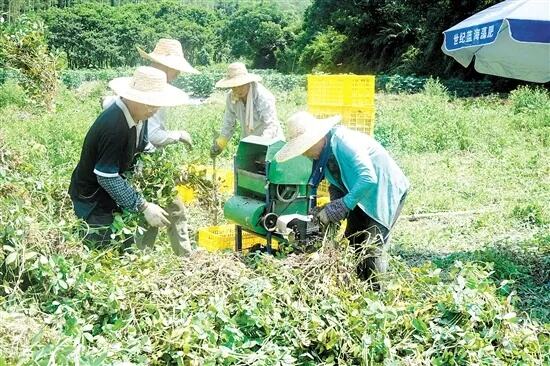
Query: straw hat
[[237, 75], [304, 131], [168, 52], [148, 86]]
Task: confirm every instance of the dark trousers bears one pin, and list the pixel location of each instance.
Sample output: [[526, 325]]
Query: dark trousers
[[98, 233], [371, 241]]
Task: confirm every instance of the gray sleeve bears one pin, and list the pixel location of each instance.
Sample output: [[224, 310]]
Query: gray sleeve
[[229, 119], [158, 135], [122, 192]]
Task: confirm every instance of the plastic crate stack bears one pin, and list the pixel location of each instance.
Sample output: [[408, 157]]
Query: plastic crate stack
[[350, 96]]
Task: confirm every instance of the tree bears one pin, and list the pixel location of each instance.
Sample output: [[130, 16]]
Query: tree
[[258, 34], [388, 35]]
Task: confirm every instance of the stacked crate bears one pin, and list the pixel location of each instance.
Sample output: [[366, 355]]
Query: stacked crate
[[350, 96]]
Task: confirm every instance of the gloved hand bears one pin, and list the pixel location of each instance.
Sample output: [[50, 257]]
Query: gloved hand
[[186, 138], [333, 212], [155, 215], [217, 146]]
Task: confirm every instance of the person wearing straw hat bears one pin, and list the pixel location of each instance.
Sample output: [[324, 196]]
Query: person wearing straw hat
[[98, 188], [168, 57], [250, 103], [366, 185]]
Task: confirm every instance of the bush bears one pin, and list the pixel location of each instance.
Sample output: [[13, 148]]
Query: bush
[[74, 78], [12, 93], [526, 99], [200, 85], [414, 84], [322, 53], [23, 47]]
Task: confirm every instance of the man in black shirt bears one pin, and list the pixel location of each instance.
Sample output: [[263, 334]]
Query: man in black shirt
[[98, 188]]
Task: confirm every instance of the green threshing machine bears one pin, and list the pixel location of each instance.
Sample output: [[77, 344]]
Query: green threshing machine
[[271, 199]]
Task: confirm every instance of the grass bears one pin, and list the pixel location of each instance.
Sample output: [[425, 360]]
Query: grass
[[464, 288]]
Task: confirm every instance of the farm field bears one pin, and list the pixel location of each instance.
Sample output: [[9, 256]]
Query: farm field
[[469, 281]]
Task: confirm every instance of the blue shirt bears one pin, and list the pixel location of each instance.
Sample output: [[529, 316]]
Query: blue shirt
[[368, 173]]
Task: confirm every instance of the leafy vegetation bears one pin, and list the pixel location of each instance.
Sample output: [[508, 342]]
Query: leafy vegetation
[[462, 290], [23, 47], [362, 36]]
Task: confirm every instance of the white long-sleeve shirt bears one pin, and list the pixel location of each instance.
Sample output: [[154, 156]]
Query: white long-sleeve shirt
[[266, 123], [158, 134]]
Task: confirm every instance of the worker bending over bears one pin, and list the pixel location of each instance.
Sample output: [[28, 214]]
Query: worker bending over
[[98, 186], [366, 185]]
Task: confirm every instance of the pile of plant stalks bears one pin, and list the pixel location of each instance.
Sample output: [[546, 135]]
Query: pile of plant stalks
[[300, 309]]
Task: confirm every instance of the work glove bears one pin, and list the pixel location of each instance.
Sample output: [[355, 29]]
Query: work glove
[[155, 215], [186, 139], [333, 212], [217, 146]]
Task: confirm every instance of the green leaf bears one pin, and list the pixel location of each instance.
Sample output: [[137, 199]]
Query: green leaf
[[420, 326], [30, 255], [11, 258]]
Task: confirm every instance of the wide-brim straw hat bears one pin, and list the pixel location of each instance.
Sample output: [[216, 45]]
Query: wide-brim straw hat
[[149, 86], [169, 53], [304, 131], [237, 75]]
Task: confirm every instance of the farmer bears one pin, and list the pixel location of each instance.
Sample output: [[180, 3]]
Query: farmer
[[250, 103], [366, 185], [98, 188], [167, 57]]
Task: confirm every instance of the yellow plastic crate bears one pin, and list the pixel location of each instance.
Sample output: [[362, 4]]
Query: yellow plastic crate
[[358, 119], [223, 176], [341, 90], [222, 237]]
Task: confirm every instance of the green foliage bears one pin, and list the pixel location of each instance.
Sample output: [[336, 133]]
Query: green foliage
[[12, 93], [433, 125], [258, 34], [101, 307], [414, 84], [324, 51], [200, 85], [98, 35], [522, 267], [75, 78], [23, 48], [525, 99], [531, 214], [362, 36], [390, 37]]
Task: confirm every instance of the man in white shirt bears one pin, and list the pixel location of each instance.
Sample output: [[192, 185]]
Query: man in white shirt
[[167, 57], [248, 102]]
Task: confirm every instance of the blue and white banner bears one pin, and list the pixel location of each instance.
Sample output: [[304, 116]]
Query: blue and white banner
[[477, 35]]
